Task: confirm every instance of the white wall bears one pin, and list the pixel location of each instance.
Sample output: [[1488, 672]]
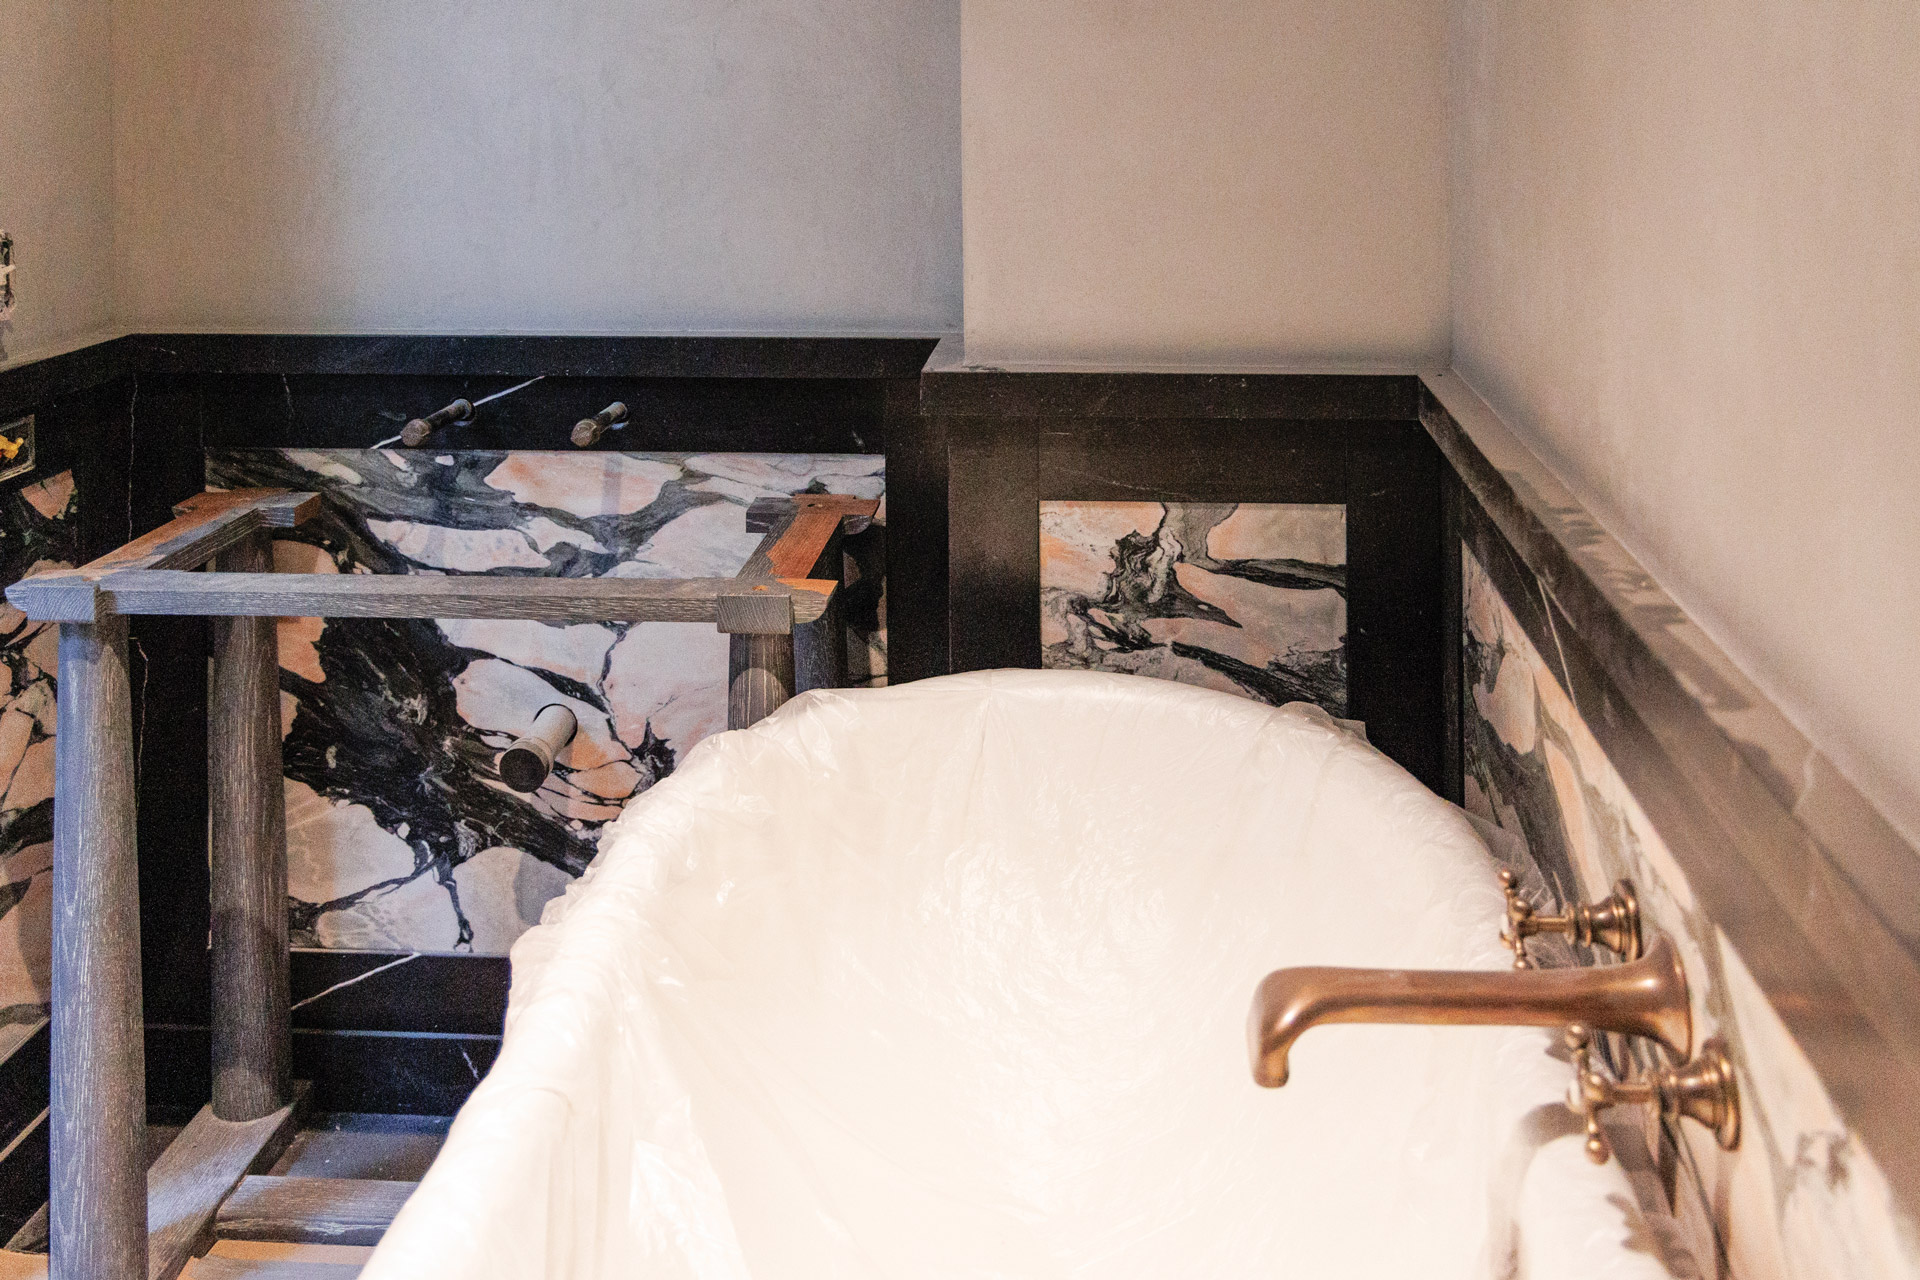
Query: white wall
[[56, 170], [634, 166], [1237, 183], [1686, 264]]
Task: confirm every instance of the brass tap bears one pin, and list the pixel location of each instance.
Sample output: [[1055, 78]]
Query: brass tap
[[1613, 922], [1703, 1089], [1647, 997]]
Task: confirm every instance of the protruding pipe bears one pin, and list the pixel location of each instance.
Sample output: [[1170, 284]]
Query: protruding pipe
[[420, 428], [587, 431], [526, 764], [1645, 998]]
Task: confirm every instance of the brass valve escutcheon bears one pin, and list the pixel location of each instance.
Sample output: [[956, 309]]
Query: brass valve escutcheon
[[1613, 922], [1703, 1089]]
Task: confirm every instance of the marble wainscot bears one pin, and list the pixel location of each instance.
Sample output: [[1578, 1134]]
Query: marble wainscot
[[400, 834], [1801, 1197], [38, 530], [1248, 598]]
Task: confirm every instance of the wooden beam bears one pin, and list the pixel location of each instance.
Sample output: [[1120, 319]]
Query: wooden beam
[[199, 1169], [205, 525], [395, 595], [252, 1036], [312, 1210], [797, 537], [98, 1169], [754, 609]]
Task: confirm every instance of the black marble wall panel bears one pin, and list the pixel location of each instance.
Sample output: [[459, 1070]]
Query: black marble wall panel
[[1386, 473]]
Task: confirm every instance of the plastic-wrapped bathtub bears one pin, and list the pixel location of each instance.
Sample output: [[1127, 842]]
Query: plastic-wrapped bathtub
[[951, 980]]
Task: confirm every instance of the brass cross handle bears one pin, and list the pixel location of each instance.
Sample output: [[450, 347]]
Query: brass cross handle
[[1703, 1089], [1613, 922]]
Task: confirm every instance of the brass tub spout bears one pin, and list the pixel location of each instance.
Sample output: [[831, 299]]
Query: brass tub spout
[[1645, 998]]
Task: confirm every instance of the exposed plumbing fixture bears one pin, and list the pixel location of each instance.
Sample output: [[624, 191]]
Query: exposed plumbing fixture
[[419, 429], [1647, 997], [1613, 922], [589, 430], [526, 764], [1702, 1088]]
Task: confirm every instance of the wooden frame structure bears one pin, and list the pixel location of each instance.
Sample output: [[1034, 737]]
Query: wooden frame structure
[[110, 1216]]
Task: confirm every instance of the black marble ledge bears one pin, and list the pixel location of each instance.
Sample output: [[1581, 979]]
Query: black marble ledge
[[356, 411], [1814, 888], [26, 386], [1663, 664], [507, 356], [950, 386]]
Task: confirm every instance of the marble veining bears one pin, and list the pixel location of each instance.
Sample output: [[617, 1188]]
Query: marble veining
[[1801, 1197], [38, 530], [400, 834], [1248, 598]]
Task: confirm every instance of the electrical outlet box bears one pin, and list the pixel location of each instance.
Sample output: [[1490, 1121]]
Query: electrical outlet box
[[16, 448]]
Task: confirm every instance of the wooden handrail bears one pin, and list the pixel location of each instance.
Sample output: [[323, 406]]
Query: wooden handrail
[[396, 595], [783, 603], [203, 526]]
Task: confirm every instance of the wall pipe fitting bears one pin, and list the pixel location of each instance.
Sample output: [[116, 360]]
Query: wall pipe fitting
[[420, 428], [524, 766], [589, 430]]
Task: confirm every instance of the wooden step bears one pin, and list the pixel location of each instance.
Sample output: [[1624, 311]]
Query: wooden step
[[212, 1268], [351, 1211], [194, 1174], [22, 1266]]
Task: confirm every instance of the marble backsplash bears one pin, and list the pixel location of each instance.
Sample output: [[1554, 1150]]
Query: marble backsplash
[[1248, 598], [38, 530], [1800, 1197], [400, 834]]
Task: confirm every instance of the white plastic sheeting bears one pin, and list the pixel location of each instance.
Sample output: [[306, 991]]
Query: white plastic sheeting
[[951, 980]]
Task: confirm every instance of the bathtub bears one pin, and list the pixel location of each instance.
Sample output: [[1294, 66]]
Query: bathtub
[[951, 980]]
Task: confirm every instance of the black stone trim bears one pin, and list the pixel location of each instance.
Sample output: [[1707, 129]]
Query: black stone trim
[[449, 994], [24, 1175], [23, 1129], [24, 387], [23, 1081], [1387, 473], [387, 1072], [1820, 932], [423, 355], [1326, 396]]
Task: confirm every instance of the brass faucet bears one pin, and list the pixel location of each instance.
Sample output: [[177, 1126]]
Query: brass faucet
[[1703, 1089], [1613, 922], [1647, 997]]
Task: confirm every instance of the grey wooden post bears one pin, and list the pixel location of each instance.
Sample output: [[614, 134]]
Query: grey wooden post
[[98, 1196], [759, 677], [759, 627], [252, 1038], [820, 646]]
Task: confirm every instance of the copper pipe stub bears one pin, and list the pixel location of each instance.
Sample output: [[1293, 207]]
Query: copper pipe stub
[[1613, 922], [419, 429], [524, 766], [588, 431]]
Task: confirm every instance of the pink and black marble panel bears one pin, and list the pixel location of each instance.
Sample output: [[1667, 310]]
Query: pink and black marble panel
[[1249, 598], [38, 530], [401, 835]]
